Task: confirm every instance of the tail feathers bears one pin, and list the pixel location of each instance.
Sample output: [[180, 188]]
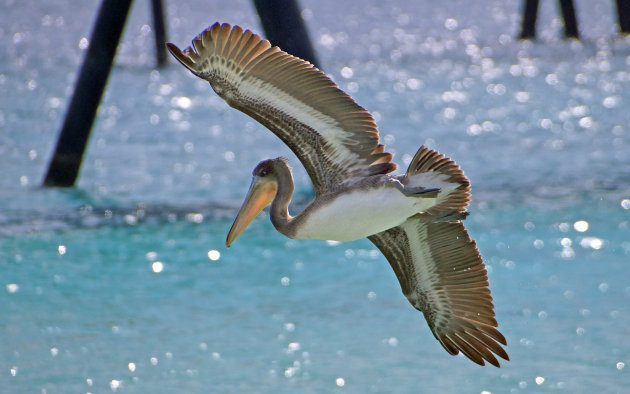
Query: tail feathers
[[426, 161]]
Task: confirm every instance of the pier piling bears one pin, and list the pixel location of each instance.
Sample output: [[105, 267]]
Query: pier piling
[[73, 137], [284, 27]]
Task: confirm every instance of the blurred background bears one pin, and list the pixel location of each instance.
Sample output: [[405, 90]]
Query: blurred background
[[123, 283]]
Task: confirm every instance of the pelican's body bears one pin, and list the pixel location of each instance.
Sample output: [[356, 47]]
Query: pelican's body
[[356, 213], [359, 207], [414, 219]]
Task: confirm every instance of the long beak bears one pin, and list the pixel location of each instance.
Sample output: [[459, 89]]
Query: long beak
[[261, 193]]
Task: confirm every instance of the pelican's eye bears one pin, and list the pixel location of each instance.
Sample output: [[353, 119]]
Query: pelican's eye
[[262, 171]]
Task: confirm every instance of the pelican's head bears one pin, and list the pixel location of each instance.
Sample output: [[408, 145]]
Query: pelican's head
[[261, 193]]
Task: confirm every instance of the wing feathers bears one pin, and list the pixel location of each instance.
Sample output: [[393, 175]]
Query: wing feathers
[[490, 344], [442, 274], [331, 134], [448, 345]]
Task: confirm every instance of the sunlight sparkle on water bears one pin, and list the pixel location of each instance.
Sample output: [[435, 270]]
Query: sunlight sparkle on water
[[414, 83], [151, 256], [522, 96], [567, 253], [84, 43], [580, 226], [194, 217], [563, 227], [115, 384], [591, 242], [130, 220], [214, 255], [157, 267], [182, 102], [290, 372], [347, 72], [293, 347], [450, 24]]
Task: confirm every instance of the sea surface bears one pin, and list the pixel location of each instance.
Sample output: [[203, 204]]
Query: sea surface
[[123, 283]]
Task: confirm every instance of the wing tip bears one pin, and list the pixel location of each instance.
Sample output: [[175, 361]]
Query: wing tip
[[476, 345], [181, 57], [204, 42]]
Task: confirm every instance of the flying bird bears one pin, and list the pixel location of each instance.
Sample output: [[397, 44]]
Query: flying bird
[[414, 219]]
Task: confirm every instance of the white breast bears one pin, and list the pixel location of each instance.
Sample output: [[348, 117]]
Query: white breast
[[356, 215]]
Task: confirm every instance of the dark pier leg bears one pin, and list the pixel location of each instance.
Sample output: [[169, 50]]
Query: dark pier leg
[[623, 14], [285, 28], [570, 21], [528, 25], [66, 161], [160, 32]]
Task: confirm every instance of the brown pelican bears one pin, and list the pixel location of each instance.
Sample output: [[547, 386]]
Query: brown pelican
[[414, 219]]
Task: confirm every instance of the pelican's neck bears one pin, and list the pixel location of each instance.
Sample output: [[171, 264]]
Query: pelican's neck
[[279, 210]]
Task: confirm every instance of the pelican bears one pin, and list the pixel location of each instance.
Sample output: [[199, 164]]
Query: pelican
[[414, 219]]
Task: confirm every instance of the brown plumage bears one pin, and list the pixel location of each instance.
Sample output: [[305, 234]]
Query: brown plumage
[[437, 264], [239, 63]]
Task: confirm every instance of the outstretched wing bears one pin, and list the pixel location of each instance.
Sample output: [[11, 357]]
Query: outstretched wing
[[332, 135], [442, 275]]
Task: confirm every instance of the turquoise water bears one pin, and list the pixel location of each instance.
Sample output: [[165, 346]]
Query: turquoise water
[[124, 284]]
